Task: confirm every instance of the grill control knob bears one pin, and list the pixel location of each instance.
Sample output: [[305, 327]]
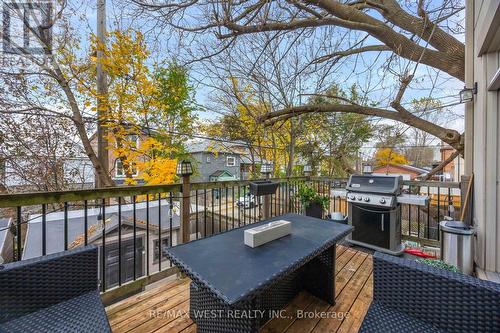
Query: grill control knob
[[360, 198], [366, 199], [350, 197], [382, 200]]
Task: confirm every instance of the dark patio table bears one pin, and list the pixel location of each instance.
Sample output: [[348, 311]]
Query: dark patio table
[[236, 288]]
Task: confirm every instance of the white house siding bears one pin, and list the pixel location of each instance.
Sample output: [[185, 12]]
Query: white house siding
[[78, 172], [483, 61]]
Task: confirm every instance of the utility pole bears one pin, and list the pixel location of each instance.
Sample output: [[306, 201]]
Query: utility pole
[[102, 92], [358, 162]]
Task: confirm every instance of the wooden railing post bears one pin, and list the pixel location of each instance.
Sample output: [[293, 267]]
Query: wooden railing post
[[466, 188], [267, 202], [186, 209]]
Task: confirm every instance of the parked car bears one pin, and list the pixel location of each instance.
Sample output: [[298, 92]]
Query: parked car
[[248, 201]]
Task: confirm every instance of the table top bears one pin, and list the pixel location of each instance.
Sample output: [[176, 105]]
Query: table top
[[234, 271]]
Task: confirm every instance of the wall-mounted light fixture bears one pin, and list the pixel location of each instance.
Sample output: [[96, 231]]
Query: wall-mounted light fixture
[[467, 94]]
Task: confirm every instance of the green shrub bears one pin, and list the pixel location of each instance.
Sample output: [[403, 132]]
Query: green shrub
[[308, 196]]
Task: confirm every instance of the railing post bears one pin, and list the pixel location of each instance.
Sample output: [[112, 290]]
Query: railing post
[[185, 209], [267, 202]]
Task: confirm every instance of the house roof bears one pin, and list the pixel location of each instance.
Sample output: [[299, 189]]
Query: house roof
[[446, 147], [407, 167], [76, 231], [246, 159], [201, 146], [219, 173], [236, 148]]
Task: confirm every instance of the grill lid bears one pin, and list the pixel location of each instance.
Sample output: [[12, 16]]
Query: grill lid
[[375, 184]]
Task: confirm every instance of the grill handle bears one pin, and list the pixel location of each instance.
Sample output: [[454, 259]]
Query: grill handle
[[375, 211]]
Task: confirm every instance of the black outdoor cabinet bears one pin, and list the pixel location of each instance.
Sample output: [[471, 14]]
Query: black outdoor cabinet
[[379, 227]]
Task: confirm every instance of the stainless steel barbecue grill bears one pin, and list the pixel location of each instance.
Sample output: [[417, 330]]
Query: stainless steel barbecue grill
[[375, 211]]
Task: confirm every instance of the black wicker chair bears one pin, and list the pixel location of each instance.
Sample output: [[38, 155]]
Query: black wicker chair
[[53, 293], [412, 297]]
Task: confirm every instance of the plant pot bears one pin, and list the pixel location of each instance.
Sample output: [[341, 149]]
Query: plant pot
[[263, 187], [314, 210]]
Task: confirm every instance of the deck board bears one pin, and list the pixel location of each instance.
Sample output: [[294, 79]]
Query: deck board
[[165, 308]]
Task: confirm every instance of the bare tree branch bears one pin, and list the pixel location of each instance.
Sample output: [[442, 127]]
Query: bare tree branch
[[441, 165], [452, 137], [385, 21], [340, 54]]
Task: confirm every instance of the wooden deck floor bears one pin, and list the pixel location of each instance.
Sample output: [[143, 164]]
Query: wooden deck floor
[[164, 308]]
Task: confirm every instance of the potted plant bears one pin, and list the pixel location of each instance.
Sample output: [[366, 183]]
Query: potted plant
[[313, 202]]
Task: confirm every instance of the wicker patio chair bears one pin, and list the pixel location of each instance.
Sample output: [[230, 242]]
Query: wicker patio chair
[[53, 293], [413, 297]]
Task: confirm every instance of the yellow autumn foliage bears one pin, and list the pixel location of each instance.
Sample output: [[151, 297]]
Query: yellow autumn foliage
[[158, 171], [243, 124], [132, 100], [387, 156]]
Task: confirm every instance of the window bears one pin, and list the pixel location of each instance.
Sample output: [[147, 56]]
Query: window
[[120, 172], [132, 141], [231, 161], [165, 244]]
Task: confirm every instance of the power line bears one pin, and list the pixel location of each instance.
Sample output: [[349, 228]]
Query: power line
[[405, 103], [403, 146], [239, 142]]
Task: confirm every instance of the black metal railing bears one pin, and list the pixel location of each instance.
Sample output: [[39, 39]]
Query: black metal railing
[[134, 225], [445, 201]]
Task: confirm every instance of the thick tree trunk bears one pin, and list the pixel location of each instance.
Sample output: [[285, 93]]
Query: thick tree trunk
[[450, 56], [101, 173], [275, 156], [447, 54], [291, 151]]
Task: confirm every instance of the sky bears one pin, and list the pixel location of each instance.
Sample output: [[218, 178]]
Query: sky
[[166, 46]]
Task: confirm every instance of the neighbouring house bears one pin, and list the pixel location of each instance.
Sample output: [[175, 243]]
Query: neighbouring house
[[169, 220], [220, 176], [80, 171], [214, 162], [408, 172], [6, 240], [116, 169], [249, 162], [220, 161], [482, 126], [73, 173], [454, 170], [249, 167]]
